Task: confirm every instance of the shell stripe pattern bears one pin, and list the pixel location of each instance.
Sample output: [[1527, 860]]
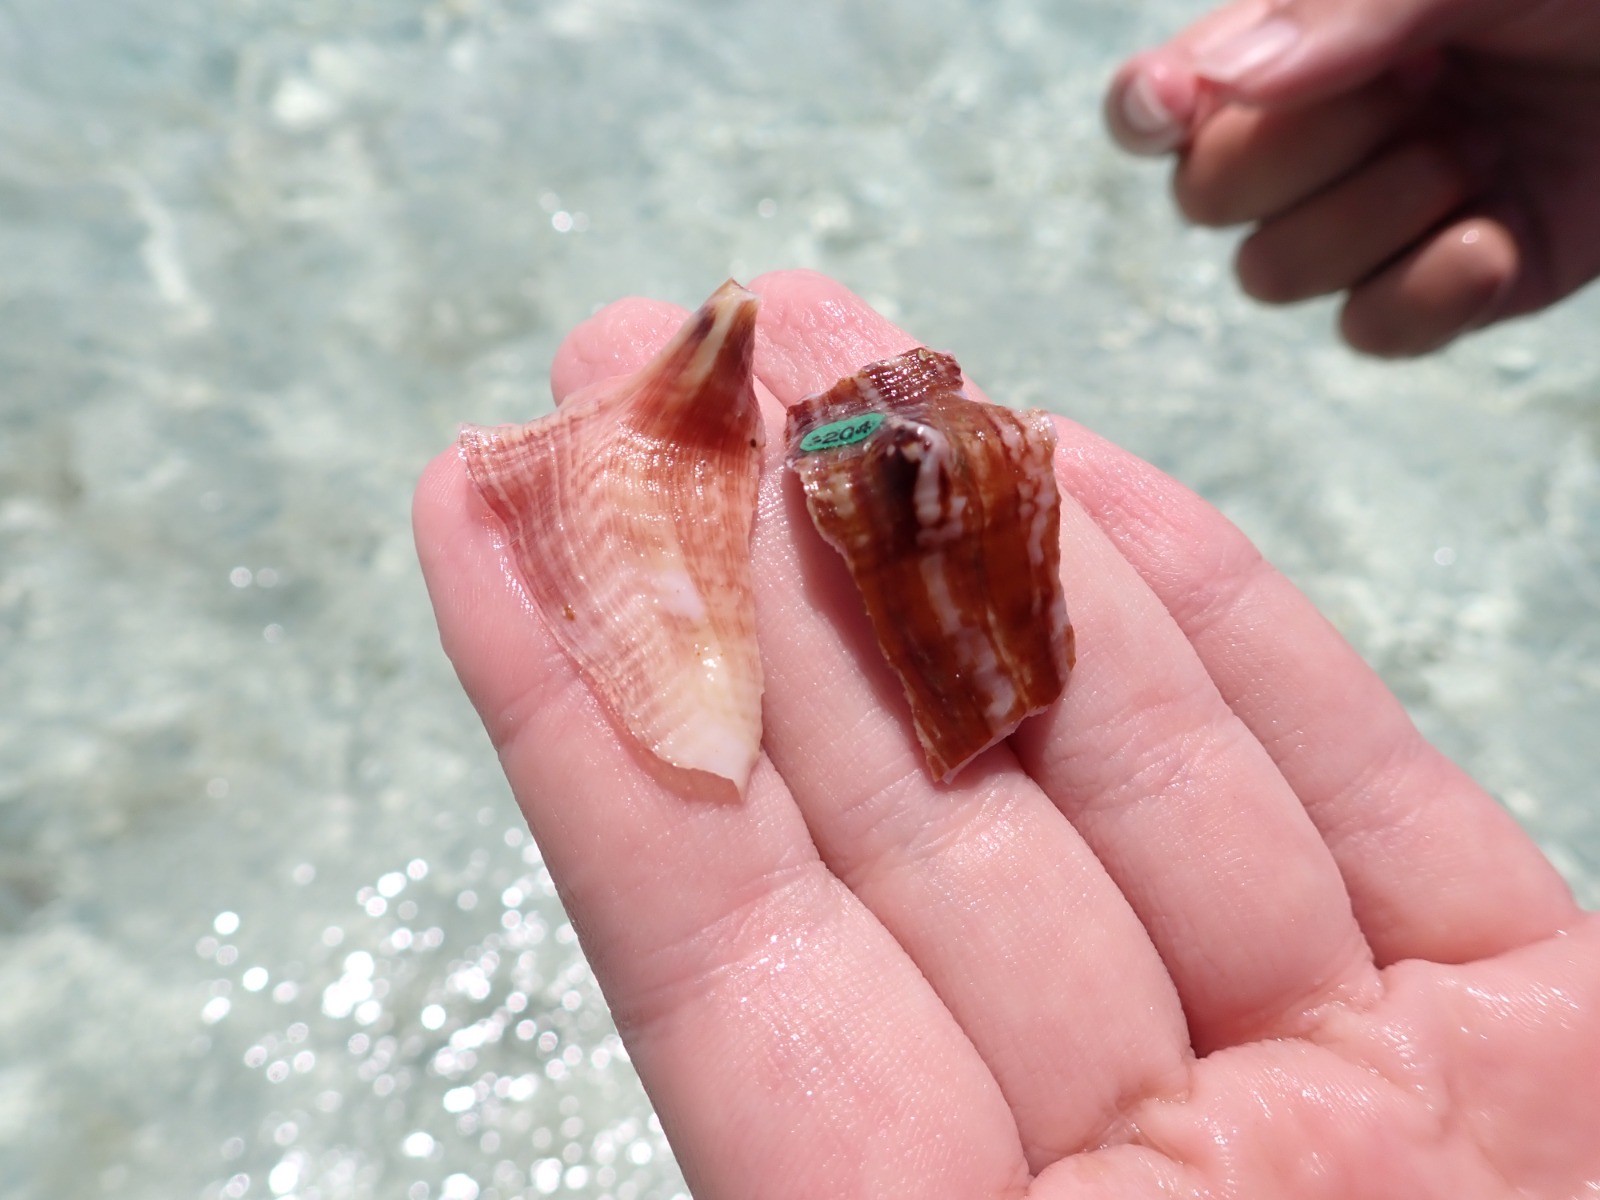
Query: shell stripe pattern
[[627, 518], [947, 515]]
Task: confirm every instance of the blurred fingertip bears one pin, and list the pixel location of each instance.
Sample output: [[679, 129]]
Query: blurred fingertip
[[1263, 275], [1150, 104], [1491, 260], [1457, 283], [1367, 331]]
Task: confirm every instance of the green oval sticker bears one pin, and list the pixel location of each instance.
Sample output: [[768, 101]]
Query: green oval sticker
[[841, 433]]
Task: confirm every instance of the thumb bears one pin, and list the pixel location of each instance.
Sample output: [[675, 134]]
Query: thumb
[[1273, 52]]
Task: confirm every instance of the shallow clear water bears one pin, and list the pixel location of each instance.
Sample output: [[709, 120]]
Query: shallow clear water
[[269, 924]]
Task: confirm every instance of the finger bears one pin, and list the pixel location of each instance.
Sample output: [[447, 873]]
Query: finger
[[1434, 867], [1187, 814], [1155, 99], [620, 338], [1001, 906], [1248, 163], [1347, 232], [1268, 53], [1152, 104], [1291, 52], [777, 1027], [1454, 282]]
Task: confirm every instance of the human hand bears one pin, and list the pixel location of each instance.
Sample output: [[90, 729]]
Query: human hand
[[1220, 923], [1435, 160]]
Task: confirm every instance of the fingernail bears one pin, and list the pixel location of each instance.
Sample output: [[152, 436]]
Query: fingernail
[[1233, 58], [1145, 114]]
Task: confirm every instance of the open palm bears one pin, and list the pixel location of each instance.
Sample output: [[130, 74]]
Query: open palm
[[1220, 923]]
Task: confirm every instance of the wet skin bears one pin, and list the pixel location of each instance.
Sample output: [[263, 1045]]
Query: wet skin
[[1220, 923]]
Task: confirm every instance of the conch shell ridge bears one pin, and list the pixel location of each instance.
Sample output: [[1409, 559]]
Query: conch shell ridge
[[946, 512], [627, 516]]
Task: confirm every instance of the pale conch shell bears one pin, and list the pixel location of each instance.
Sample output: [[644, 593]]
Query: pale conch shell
[[947, 514], [627, 516]]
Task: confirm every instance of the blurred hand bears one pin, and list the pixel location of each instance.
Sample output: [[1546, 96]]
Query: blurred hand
[[1436, 160], [1219, 924]]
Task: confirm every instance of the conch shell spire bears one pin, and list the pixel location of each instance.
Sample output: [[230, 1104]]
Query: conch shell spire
[[627, 516]]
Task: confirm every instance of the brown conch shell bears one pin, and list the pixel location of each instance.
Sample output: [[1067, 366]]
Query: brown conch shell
[[946, 512], [627, 516]]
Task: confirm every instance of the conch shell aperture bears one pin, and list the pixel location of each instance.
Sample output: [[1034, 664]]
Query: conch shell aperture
[[946, 512], [627, 515]]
